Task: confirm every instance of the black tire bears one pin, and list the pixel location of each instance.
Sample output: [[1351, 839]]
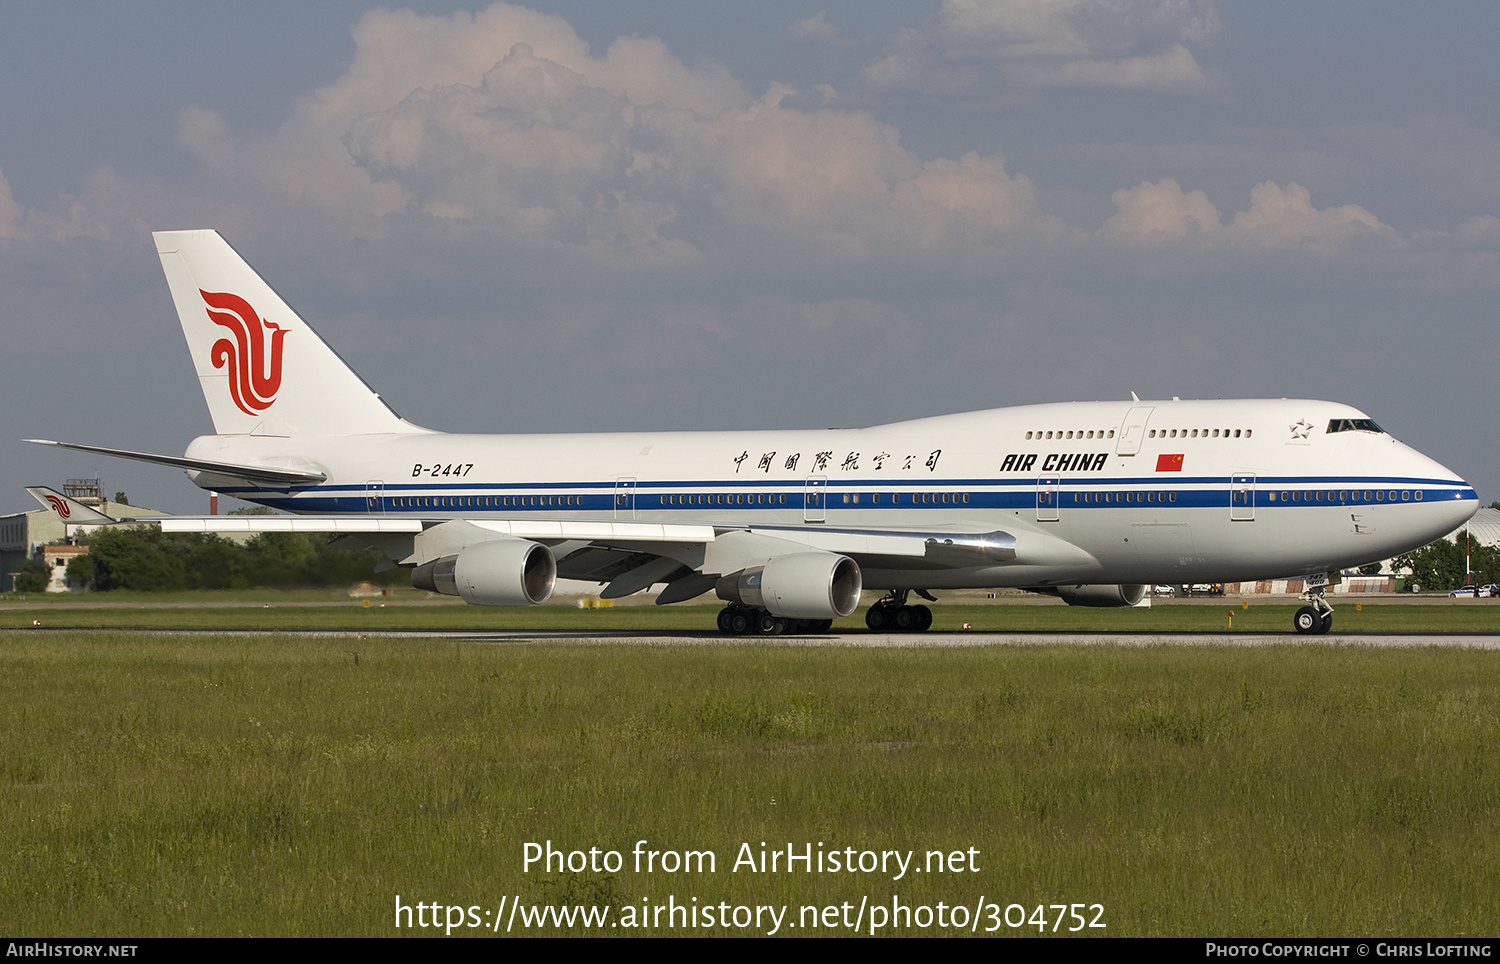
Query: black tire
[[724, 621], [924, 618], [739, 623], [769, 625], [1307, 620], [1326, 623], [906, 620], [878, 619]]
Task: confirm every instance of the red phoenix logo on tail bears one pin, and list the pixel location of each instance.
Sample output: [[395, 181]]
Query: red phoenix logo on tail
[[59, 506], [254, 373]]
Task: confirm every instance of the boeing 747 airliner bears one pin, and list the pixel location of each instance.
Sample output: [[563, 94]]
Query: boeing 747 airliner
[[1091, 501]]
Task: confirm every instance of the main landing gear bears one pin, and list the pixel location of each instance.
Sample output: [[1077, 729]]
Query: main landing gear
[[1317, 616], [738, 620], [892, 615]]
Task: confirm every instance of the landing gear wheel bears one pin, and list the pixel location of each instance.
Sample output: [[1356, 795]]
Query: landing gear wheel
[[1317, 615], [892, 615], [739, 622], [769, 625], [724, 621]]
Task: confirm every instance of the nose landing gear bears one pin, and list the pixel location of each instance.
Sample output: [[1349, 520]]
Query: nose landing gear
[[1317, 616]]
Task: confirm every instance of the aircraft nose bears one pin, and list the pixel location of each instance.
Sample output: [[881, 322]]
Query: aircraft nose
[[1446, 500], [1452, 501], [1460, 504]]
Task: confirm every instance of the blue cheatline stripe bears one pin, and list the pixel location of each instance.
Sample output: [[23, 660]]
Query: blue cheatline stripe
[[355, 499]]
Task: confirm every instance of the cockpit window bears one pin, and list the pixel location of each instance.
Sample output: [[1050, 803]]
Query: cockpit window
[[1354, 425]]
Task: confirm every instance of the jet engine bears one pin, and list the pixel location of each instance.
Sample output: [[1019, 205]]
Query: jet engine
[[804, 585], [503, 572], [1101, 595]]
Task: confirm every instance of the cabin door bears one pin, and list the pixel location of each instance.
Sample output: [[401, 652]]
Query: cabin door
[[1242, 497], [1133, 430], [1047, 496], [625, 498], [814, 505]]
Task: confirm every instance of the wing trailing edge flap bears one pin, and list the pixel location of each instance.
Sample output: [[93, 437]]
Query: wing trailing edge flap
[[654, 570]]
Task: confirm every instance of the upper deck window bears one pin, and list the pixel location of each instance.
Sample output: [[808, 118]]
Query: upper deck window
[[1354, 425]]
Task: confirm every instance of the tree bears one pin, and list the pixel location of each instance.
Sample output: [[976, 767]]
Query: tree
[[31, 577], [131, 558], [1440, 567], [81, 570], [149, 560]]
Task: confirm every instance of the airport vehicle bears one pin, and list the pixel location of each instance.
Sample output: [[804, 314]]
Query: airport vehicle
[[1090, 501]]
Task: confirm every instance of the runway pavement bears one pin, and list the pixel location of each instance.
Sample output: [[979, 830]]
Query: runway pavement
[[867, 640]]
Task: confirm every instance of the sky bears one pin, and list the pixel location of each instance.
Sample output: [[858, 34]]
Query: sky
[[598, 216]]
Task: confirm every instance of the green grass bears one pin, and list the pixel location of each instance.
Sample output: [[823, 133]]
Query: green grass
[[276, 786]]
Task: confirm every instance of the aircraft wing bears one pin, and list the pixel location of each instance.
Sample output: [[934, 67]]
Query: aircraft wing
[[720, 548], [692, 564]]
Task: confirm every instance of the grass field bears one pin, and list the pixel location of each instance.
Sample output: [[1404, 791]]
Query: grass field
[[274, 785]]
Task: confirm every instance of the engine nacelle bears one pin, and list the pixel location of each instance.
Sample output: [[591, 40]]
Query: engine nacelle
[[804, 585], [503, 572], [1102, 595]]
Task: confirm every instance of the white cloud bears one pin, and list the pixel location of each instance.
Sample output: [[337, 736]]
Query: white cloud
[[404, 61], [991, 49], [1285, 218], [1161, 214], [539, 150]]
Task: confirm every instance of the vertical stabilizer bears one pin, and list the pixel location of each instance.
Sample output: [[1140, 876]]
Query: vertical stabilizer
[[263, 370]]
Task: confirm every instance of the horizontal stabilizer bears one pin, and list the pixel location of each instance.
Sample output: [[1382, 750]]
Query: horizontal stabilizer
[[254, 474]]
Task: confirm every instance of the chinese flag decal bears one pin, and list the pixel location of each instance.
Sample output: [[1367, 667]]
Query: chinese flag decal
[[1169, 463]]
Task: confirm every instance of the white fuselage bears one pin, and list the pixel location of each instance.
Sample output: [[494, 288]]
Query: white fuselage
[[1093, 492]]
